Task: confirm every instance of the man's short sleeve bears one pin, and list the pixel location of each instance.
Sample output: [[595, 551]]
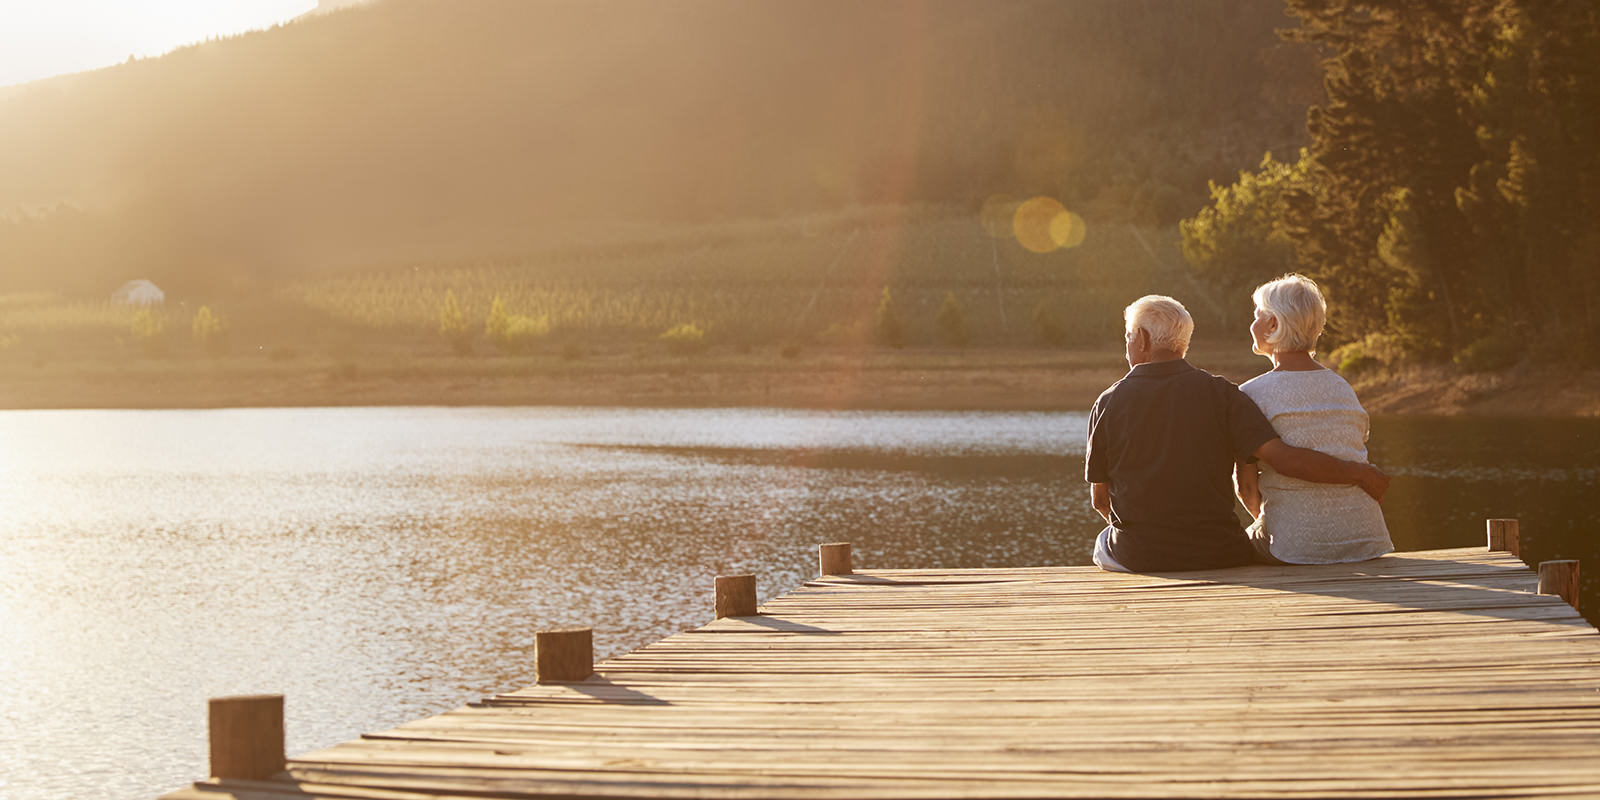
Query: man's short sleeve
[[1248, 428], [1094, 457]]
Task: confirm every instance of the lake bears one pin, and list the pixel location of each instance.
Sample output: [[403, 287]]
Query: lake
[[378, 565]]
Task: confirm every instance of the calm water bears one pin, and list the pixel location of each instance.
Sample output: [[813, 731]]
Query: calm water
[[379, 565]]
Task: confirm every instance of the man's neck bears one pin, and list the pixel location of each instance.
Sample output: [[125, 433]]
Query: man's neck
[[1160, 356]]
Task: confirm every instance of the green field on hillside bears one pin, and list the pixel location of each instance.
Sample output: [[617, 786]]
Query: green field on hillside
[[812, 281]]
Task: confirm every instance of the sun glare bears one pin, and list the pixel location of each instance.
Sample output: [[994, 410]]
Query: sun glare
[[41, 39], [1043, 225], [1067, 230]]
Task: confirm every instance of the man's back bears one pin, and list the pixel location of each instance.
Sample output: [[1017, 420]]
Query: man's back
[[1165, 439]]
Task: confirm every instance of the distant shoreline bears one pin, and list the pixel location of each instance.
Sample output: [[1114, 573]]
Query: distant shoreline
[[912, 380], [974, 380]]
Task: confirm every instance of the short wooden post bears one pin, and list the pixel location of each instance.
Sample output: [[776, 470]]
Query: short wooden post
[[1503, 536], [834, 559], [736, 596], [246, 736], [1560, 578], [563, 655]]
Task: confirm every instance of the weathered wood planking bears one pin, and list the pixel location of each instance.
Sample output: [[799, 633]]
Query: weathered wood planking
[[1436, 674]]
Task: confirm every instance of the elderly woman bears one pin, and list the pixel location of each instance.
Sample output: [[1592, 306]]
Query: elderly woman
[[1310, 406]]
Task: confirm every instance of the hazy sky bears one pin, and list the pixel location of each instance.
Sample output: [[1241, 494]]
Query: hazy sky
[[40, 38]]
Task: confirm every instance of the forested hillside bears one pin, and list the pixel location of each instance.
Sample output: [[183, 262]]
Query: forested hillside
[[415, 130]]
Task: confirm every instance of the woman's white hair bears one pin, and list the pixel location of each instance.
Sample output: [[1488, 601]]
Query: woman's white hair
[[1296, 303], [1165, 319]]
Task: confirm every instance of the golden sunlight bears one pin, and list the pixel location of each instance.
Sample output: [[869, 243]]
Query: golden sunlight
[[42, 39]]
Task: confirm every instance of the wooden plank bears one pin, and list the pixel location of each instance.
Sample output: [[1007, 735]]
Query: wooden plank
[[1437, 674]]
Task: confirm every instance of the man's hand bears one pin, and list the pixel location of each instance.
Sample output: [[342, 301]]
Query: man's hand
[[1316, 467], [1374, 482]]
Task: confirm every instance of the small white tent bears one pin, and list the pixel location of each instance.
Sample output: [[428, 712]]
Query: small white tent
[[139, 293]]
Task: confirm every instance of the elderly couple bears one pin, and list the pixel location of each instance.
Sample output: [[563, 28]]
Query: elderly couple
[[1165, 440]]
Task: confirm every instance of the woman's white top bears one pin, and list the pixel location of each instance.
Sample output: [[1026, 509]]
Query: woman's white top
[[1316, 523]]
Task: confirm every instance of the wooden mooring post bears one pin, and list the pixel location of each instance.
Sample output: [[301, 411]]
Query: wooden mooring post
[[246, 734], [563, 655], [731, 706], [1504, 536], [736, 596], [834, 558], [1560, 578]]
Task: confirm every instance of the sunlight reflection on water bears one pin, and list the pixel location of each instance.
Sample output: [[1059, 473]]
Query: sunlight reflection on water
[[377, 565]]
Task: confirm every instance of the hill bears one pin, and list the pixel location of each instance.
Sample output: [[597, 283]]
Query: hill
[[418, 130]]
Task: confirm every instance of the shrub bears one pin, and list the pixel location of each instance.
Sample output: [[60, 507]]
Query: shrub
[[513, 333], [1357, 363], [790, 350], [149, 328], [452, 326], [684, 338], [499, 321], [1492, 352], [1365, 354], [208, 332], [952, 322], [890, 328]]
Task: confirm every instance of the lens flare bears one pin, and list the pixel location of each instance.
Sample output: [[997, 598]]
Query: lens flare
[[1068, 230], [1033, 223]]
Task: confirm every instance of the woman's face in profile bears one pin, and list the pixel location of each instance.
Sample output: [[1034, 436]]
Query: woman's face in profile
[[1260, 329]]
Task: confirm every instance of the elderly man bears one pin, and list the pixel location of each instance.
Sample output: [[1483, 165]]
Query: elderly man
[[1162, 445]]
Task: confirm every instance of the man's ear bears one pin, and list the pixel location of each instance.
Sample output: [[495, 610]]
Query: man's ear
[[1144, 339]]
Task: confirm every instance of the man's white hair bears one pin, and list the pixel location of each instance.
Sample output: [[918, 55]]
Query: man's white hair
[[1166, 321], [1296, 303]]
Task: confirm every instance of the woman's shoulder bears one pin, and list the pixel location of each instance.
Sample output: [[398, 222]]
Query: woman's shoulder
[[1262, 384], [1336, 384], [1295, 388]]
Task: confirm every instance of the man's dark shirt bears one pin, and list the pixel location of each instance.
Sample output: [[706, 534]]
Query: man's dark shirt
[[1165, 438]]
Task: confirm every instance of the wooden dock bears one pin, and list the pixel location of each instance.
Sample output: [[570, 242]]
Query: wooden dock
[[1428, 674]]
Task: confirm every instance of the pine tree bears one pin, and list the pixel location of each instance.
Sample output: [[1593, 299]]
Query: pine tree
[[952, 322], [890, 328], [453, 326], [149, 329], [208, 332], [497, 327]]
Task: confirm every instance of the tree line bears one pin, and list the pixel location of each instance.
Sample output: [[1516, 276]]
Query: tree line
[[1449, 197]]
